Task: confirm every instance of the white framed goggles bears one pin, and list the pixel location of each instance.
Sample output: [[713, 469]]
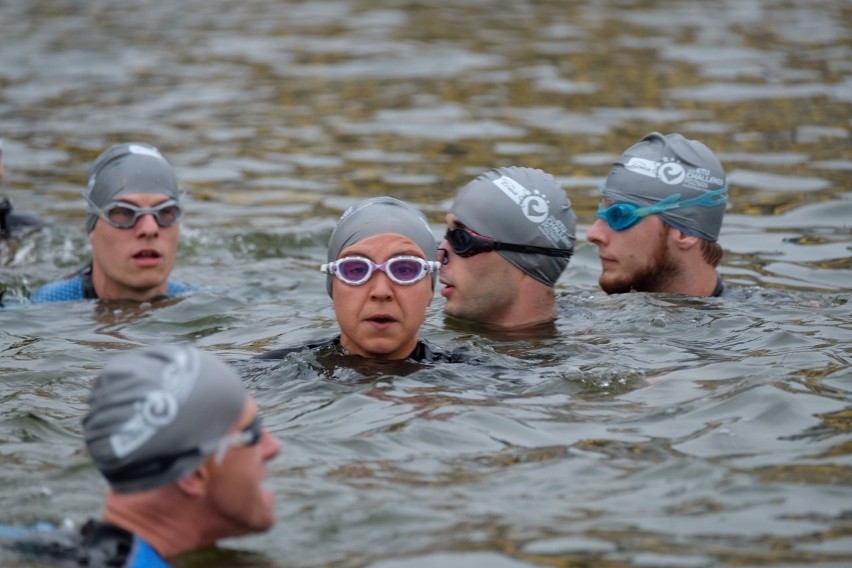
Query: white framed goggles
[[403, 270], [123, 215]]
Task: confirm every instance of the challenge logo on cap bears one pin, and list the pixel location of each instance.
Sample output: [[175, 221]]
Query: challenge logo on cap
[[670, 167], [536, 208], [672, 172], [160, 407]]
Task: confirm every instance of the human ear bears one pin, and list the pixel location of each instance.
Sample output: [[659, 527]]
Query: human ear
[[683, 241], [195, 484]]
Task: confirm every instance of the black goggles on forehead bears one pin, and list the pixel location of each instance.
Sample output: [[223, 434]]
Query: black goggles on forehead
[[465, 242], [248, 436], [123, 215]]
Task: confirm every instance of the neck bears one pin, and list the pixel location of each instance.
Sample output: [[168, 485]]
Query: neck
[[694, 280], [156, 517], [534, 305], [682, 268], [107, 289]]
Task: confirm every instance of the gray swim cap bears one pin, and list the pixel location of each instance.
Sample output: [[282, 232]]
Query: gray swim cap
[[123, 169], [381, 215], [523, 206], [659, 166], [157, 402]]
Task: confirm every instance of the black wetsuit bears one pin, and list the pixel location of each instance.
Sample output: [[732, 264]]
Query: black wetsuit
[[424, 352], [96, 544], [13, 221]]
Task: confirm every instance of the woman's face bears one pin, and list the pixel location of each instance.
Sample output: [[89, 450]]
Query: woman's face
[[381, 319]]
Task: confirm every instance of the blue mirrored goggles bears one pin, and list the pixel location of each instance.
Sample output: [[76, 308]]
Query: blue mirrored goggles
[[123, 215], [621, 216], [356, 270]]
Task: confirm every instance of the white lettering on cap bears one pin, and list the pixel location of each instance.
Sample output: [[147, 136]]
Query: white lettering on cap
[[160, 407], [511, 188], [671, 173], [534, 207], [145, 151], [643, 167]]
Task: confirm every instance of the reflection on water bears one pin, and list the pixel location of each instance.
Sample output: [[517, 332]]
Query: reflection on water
[[639, 431]]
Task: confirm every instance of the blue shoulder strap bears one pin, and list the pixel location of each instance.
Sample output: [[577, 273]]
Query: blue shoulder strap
[[145, 556]]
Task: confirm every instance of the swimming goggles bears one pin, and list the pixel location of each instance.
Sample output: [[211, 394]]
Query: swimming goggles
[[248, 436], [621, 216], [467, 243], [355, 270], [122, 215]]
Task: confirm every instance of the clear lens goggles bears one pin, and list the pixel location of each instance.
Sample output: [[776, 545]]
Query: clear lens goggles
[[248, 436], [465, 242], [122, 215], [356, 270], [621, 216]]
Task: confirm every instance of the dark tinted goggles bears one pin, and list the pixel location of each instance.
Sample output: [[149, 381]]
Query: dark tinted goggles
[[356, 270], [465, 242]]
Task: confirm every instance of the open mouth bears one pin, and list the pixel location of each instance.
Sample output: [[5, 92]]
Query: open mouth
[[147, 254], [382, 319]]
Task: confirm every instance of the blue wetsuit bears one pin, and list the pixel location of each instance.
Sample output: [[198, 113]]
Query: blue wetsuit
[[79, 287], [97, 544]]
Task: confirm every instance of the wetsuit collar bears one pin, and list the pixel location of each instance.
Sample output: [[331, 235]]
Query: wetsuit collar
[[720, 287]]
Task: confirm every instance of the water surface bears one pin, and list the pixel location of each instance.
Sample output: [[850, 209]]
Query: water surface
[[641, 431]]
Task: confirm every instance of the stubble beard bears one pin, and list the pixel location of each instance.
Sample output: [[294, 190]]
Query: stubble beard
[[654, 276]]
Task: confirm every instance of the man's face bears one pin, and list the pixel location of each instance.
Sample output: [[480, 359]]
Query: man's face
[[637, 258], [134, 263], [379, 318], [479, 288], [237, 497]]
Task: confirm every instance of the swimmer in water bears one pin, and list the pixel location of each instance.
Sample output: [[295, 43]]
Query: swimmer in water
[[660, 217], [133, 224], [184, 451]]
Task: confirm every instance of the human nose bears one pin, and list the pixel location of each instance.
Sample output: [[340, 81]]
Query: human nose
[[381, 287], [443, 255], [271, 445], [445, 249], [598, 232], [146, 225]]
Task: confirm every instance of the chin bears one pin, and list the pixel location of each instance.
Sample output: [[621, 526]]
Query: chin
[[613, 286]]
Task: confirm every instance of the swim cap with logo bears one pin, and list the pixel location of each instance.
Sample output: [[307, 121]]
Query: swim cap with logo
[[523, 206], [124, 169], [155, 403], [659, 166], [379, 215]]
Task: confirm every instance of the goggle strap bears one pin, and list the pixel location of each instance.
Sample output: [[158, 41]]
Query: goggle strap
[[707, 199], [546, 251]]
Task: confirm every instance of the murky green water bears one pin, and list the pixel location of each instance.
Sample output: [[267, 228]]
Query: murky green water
[[646, 431]]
